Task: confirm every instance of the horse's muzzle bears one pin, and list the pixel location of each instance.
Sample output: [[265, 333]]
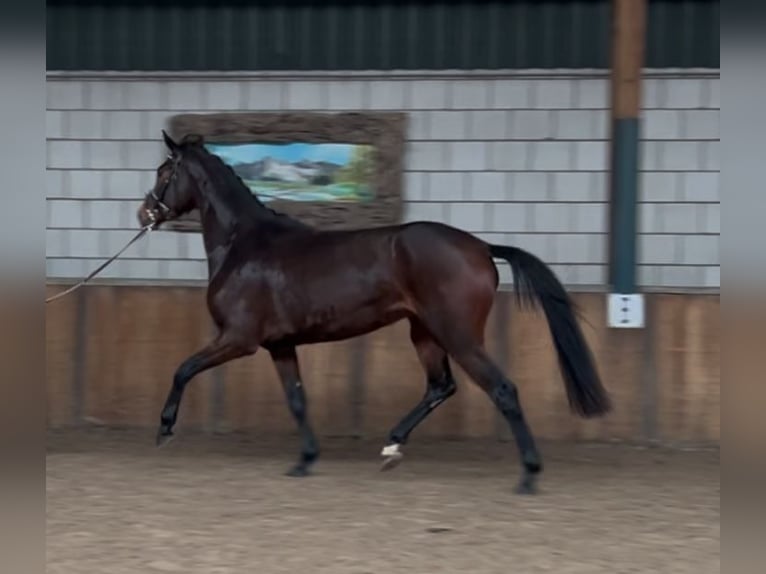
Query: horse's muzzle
[[147, 216]]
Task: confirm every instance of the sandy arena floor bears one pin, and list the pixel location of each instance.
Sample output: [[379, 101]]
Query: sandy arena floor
[[215, 505]]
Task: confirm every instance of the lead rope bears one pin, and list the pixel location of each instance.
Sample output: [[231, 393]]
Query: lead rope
[[102, 266]]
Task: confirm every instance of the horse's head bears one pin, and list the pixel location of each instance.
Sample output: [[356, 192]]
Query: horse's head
[[174, 191]]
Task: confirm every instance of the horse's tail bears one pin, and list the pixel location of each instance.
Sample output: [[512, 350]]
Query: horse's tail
[[535, 283]]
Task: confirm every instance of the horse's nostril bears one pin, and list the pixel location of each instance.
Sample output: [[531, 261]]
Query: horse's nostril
[[146, 216]]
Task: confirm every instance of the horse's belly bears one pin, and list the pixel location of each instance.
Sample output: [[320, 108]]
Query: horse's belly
[[335, 325]]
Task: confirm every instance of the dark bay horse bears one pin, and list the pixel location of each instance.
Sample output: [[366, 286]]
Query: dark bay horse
[[276, 283]]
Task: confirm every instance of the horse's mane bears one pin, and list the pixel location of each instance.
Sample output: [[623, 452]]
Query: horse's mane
[[225, 177]]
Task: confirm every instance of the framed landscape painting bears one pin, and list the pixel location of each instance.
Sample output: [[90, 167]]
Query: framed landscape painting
[[303, 171], [332, 171]]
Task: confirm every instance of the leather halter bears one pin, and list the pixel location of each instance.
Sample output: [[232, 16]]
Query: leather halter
[[159, 199]]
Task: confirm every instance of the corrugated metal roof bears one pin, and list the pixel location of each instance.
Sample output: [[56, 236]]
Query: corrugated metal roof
[[238, 35]]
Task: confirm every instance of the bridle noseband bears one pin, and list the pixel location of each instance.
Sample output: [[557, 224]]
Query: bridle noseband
[[158, 199]]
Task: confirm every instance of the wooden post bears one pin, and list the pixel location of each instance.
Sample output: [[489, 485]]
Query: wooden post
[[628, 40]]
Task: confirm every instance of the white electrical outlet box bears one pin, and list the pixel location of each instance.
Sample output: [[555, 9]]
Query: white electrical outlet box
[[625, 311]]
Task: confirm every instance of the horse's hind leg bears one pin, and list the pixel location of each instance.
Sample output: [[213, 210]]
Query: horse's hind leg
[[440, 385], [286, 362], [505, 396]]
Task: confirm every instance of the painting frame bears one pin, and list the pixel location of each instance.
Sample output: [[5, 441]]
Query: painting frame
[[384, 131]]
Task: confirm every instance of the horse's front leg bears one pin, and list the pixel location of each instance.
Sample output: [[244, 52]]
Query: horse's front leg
[[218, 352], [286, 362]]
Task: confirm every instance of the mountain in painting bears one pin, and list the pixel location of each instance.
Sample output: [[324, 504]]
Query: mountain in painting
[[303, 171]]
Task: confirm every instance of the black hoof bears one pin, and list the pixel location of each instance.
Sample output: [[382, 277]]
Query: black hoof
[[391, 462], [164, 436], [527, 485], [299, 470]]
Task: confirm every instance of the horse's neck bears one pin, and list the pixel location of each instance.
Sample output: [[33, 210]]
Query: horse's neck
[[224, 216], [232, 213], [217, 237]]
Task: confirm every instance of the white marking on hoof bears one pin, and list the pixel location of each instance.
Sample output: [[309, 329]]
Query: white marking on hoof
[[392, 456], [391, 450]]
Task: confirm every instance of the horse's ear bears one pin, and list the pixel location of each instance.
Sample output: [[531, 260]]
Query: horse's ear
[[172, 145]]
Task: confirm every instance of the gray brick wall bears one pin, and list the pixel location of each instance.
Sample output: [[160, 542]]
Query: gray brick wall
[[514, 159], [680, 214]]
